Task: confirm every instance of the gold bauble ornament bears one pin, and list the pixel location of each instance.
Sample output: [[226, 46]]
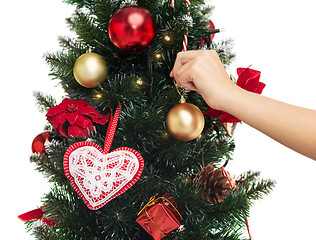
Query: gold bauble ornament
[[185, 121], [90, 70]]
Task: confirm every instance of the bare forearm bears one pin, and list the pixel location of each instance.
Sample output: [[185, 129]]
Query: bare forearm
[[290, 125]]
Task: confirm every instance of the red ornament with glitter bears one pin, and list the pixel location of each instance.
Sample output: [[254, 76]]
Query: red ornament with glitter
[[160, 216], [132, 29], [248, 79], [38, 144], [75, 118]]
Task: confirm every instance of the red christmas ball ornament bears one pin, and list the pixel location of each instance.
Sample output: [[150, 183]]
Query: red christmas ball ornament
[[38, 144], [209, 38], [132, 29], [212, 27]]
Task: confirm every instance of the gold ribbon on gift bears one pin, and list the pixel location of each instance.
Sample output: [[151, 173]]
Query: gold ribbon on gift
[[152, 201]]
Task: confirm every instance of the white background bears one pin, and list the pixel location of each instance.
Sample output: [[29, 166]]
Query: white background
[[276, 37]]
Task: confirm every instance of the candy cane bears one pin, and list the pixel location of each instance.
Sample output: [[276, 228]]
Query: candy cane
[[185, 37], [186, 34], [172, 3]]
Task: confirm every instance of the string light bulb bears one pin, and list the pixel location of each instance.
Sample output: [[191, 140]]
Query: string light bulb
[[165, 135], [139, 81], [98, 95], [167, 38], [158, 55], [187, 180]]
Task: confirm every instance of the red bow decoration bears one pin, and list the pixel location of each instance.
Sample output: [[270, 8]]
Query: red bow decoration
[[76, 116], [36, 214], [248, 79]]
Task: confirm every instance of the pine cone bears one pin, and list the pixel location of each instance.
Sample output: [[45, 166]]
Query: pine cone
[[215, 184]]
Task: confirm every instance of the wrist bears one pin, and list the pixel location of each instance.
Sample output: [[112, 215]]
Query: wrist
[[224, 100], [230, 98]]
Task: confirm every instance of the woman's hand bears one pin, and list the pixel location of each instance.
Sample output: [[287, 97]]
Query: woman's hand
[[293, 126]]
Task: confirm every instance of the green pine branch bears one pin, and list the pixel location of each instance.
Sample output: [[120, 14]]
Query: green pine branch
[[255, 187], [44, 102], [51, 162], [224, 51]]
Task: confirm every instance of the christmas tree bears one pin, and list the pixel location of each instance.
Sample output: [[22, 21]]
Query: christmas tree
[[118, 166]]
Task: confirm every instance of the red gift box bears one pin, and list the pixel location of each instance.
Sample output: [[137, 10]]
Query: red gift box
[[160, 216]]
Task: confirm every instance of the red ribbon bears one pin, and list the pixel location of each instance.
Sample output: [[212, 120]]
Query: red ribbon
[[246, 221], [111, 129], [34, 215]]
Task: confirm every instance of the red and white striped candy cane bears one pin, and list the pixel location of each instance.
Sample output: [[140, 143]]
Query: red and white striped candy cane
[[185, 37], [172, 3]]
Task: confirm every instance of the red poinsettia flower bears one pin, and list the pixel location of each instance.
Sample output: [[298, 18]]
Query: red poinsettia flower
[[76, 116], [248, 79]]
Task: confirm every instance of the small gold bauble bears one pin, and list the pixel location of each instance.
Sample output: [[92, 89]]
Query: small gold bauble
[[185, 121], [90, 70]]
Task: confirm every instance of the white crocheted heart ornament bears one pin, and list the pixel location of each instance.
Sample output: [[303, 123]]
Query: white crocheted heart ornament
[[99, 176]]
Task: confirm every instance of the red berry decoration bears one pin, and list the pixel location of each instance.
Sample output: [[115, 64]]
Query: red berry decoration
[[38, 144], [132, 29]]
